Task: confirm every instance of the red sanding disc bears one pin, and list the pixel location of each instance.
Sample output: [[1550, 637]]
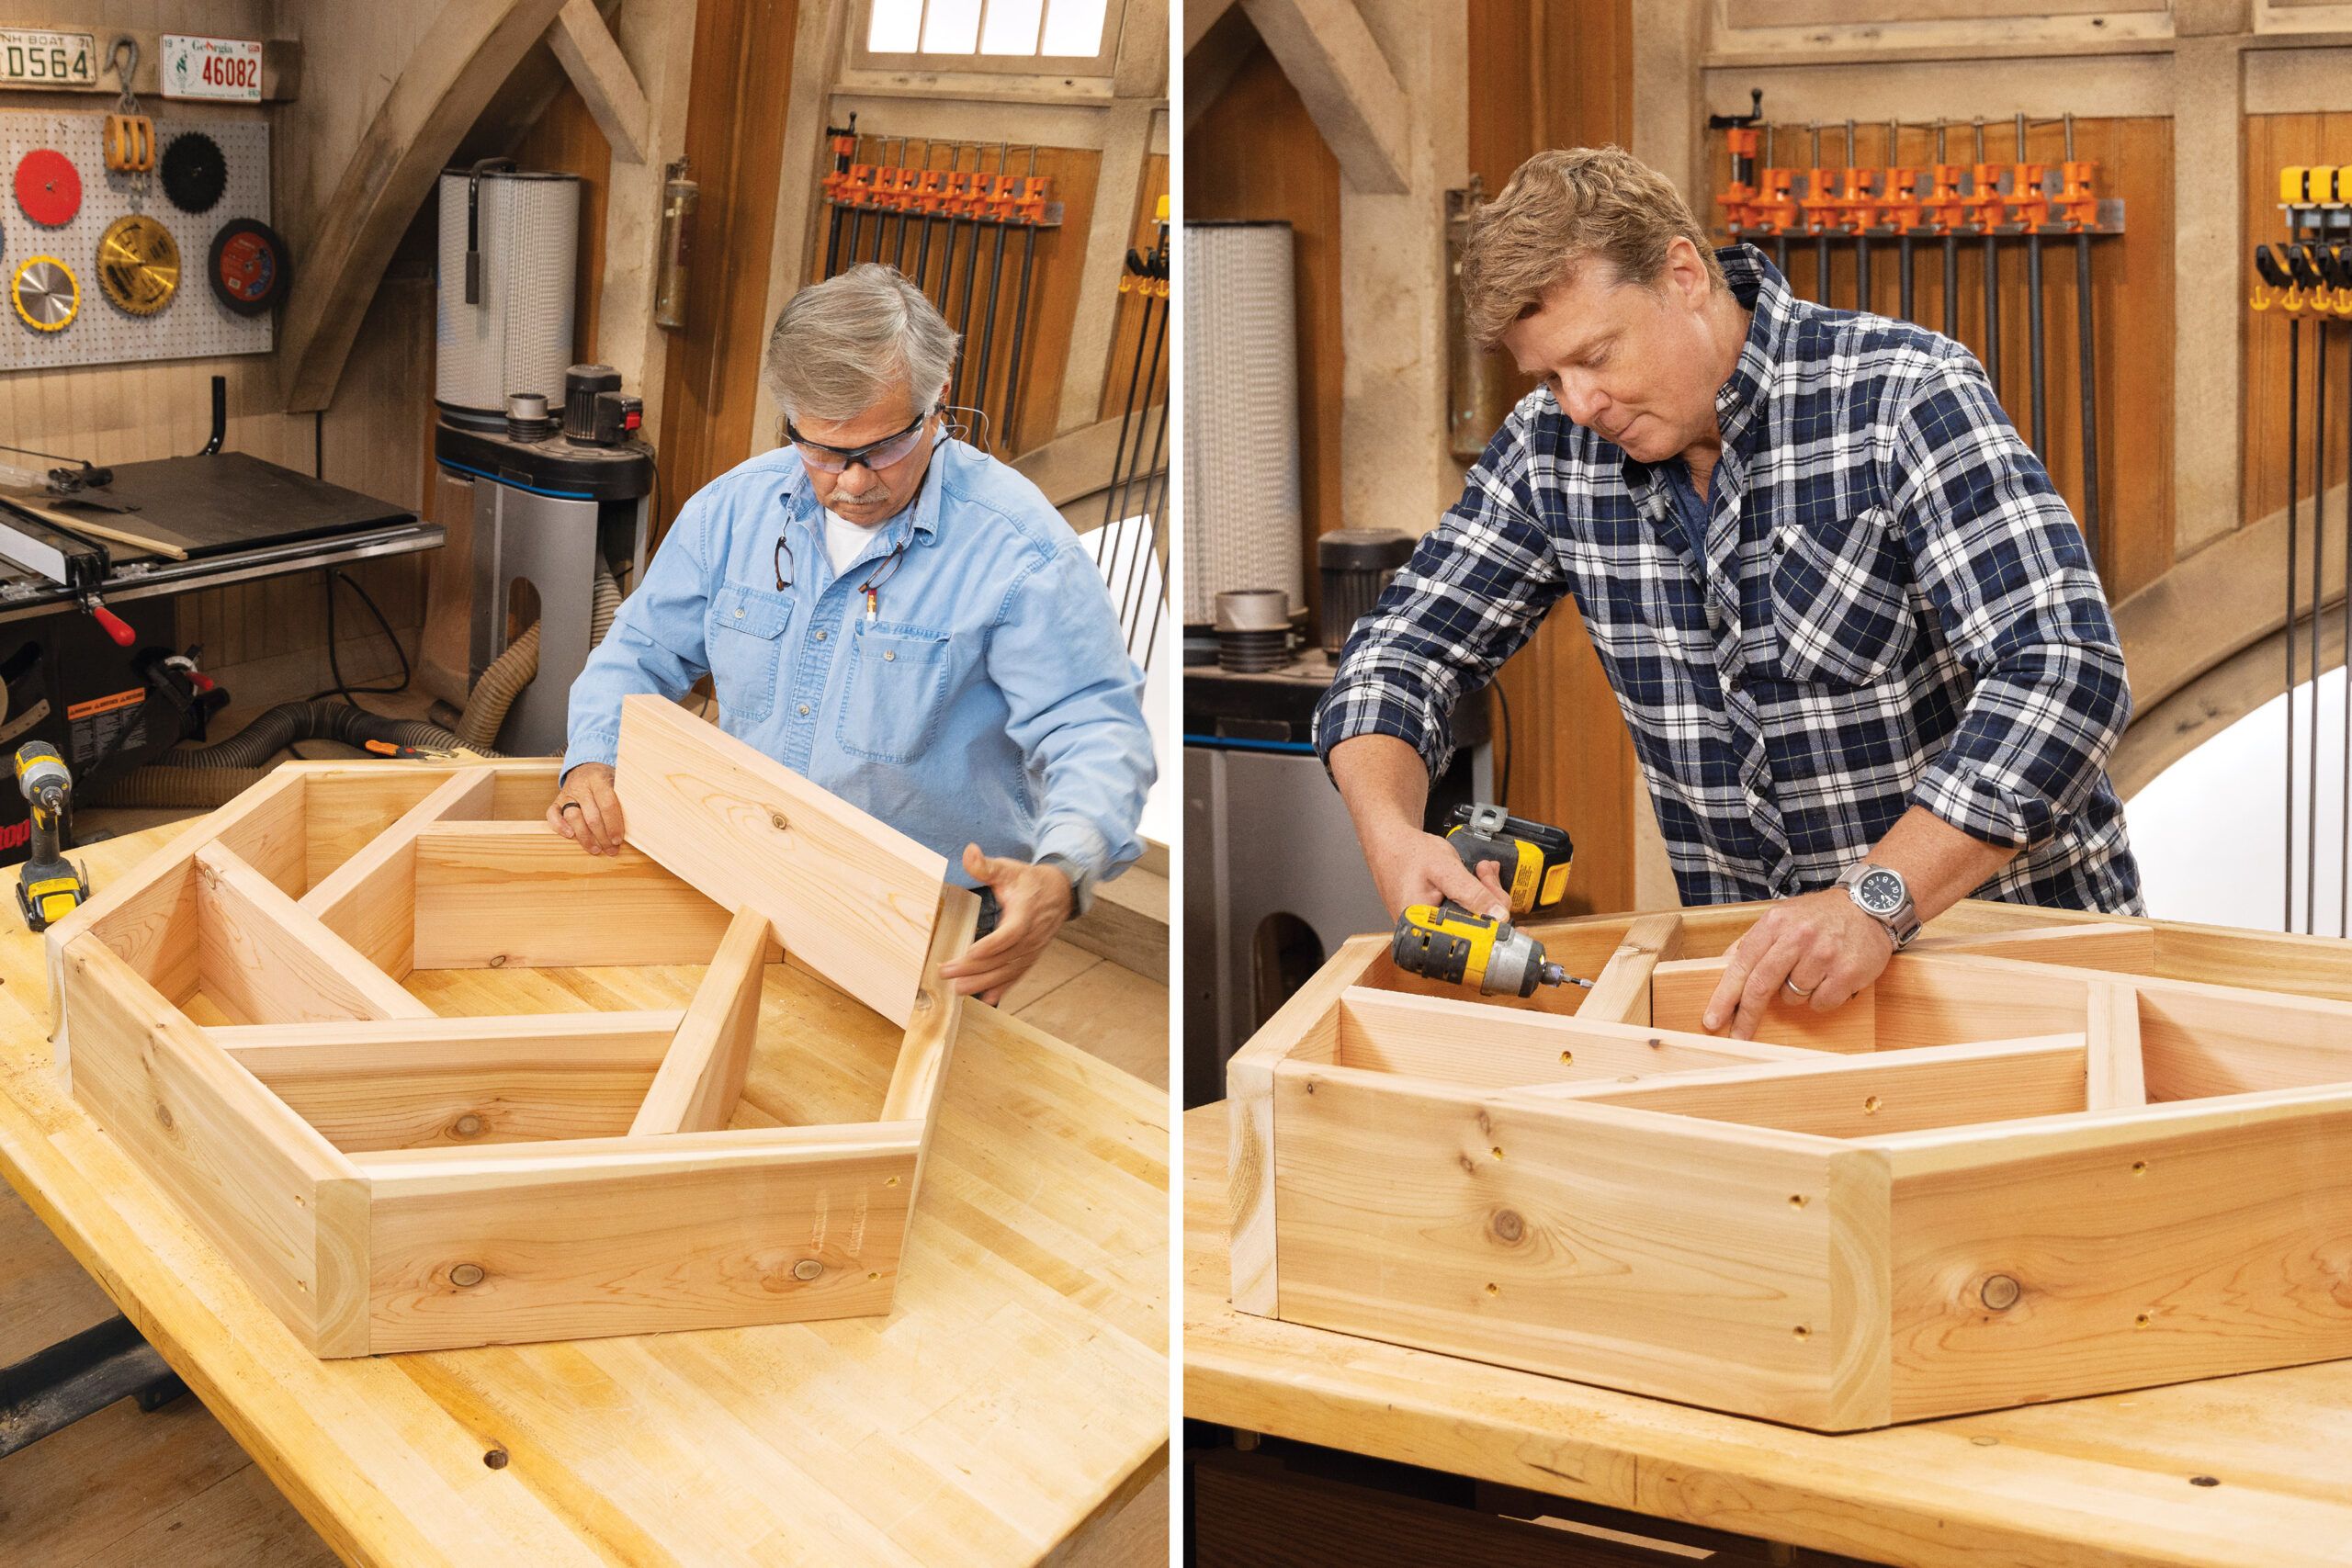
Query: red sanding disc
[[49, 187]]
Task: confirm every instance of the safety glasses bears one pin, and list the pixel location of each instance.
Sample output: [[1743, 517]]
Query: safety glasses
[[873, 456]]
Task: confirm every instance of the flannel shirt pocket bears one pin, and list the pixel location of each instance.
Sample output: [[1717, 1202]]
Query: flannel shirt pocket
[[1839, 607]]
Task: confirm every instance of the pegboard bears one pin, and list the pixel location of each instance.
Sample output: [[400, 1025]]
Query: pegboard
[[194, 324]]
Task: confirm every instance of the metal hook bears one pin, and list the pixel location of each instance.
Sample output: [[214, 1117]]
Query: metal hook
[[114, 60]]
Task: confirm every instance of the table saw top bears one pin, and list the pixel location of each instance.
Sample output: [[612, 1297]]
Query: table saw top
[[2108, 1481], [1014, 1397]]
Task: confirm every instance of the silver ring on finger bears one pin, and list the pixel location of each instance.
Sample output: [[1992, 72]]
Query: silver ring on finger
[[1800, 992]]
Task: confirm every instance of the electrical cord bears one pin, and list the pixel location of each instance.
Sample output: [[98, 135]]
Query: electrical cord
[[343, 688]]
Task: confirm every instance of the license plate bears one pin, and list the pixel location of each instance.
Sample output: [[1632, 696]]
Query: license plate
[[31, 57]]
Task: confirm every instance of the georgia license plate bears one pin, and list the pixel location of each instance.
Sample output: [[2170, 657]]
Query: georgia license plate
[[32, 57]]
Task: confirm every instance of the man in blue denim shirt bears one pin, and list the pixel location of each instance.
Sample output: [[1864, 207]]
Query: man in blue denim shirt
[[898, 617]]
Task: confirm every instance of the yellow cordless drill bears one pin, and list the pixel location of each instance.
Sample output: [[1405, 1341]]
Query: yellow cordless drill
[[49, 887], [1533, 856], [1447, 942]]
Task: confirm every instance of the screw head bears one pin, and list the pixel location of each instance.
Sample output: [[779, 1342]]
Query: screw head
[[466, 1274], [807, 1269], [2001, 1292]]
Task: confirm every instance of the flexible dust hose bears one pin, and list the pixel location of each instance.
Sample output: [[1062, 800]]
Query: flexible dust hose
[[503, 682], [212, 776], [495, 692]]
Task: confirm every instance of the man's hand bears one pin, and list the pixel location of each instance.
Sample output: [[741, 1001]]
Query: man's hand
[[1817, 945], [1410, 868], [585, 809], [1032, 902]]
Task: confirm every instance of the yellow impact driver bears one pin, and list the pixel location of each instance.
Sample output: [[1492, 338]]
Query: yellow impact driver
[[49, 887], [1448, 943], [1533, 856]]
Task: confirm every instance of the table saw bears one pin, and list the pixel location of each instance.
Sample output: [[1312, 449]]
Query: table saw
[[87, 575]]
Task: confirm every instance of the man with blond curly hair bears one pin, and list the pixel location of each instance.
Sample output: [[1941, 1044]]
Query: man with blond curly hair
[[1864, 655]]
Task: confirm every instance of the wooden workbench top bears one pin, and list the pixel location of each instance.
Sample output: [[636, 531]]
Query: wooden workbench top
[[1015, 1395], [2087, 1483]]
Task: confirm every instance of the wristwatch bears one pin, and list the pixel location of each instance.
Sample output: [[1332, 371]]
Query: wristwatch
[[1880, 892]]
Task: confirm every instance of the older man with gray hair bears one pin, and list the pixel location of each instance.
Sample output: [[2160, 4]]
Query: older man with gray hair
[[898, 616]]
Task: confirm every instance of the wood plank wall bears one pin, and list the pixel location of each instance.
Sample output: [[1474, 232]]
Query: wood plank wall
[[2131, 283], [1072, 174], [1559, 75], [734, 136]]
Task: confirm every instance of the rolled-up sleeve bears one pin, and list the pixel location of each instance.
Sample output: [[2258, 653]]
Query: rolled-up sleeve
[[2004, 567], [1475, 591], [1076, 711], [655, 643]]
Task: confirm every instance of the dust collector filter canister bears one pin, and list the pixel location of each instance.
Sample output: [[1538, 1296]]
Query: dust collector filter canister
[[516, 336]]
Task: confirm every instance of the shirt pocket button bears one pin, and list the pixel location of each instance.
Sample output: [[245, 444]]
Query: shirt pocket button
[[889, 655]]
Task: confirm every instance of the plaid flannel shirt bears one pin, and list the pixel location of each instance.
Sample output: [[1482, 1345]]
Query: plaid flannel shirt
[[1894, 608]]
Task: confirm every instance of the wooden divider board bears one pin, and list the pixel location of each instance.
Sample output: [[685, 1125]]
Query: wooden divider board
[[2036, 1163], [850, 895]]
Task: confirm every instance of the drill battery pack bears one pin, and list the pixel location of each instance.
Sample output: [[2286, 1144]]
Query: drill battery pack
[[1535, 856]]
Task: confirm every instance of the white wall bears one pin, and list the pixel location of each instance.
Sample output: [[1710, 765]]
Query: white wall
[[2210, 829]]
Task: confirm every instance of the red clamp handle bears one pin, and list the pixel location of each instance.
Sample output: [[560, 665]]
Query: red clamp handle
[[114, 625]]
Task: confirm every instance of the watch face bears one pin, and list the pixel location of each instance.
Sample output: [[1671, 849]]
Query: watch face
[[1880, 892]]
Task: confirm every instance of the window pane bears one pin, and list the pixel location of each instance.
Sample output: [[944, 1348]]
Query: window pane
[[1011, 26], [891, 28], [951, 27], [1074, 27]]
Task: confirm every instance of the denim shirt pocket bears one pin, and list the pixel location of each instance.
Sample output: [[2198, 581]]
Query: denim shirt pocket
[[744, 642], [897, 691], [1842, 610]]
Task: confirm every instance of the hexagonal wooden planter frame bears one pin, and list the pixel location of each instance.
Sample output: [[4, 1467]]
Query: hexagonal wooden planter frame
[[389, 1179], [2029, 1164]]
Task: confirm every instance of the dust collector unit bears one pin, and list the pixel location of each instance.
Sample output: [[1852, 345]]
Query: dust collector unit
[[1242, 519], [503, 319]]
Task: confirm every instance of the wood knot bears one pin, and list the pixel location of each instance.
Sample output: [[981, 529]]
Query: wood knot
[[807, 1269], [1508, 1226], [495, 1458], [922, 1002], [2000, 1291], [163, 1116], [498, 961], [466, 1275], [776, 821], [467, 1126]]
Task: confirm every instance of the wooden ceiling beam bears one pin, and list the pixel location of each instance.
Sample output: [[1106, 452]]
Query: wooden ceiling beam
[[1328, 53], [462, 61]]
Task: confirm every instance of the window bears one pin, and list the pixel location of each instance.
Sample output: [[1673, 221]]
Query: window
[[1021, 28]]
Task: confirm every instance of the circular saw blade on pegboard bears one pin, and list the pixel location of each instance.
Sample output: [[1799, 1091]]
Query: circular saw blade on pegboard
[[191, 324]]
